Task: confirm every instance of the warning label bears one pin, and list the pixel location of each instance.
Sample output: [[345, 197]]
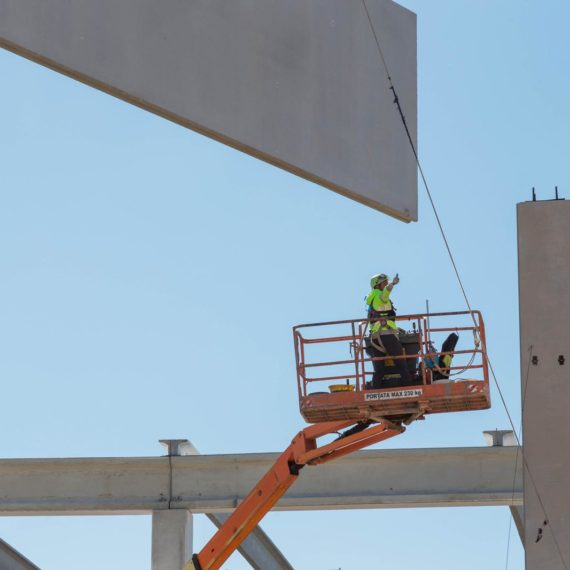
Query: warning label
[[416, 393]]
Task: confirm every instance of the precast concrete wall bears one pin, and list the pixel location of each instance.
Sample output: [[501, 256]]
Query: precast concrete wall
[[297, 83]]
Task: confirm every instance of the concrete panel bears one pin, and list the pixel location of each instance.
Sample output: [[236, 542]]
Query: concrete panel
[[217, 483], [298, 84], [11, 559], [544, 275]]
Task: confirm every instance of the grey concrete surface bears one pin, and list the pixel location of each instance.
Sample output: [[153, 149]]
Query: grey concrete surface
[[518, 518], [544, 296], [171, 539], [299, 84], [11, 559], [216, 483]]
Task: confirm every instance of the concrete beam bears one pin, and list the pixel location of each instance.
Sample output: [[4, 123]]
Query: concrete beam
[[217, 483], [11, 559]]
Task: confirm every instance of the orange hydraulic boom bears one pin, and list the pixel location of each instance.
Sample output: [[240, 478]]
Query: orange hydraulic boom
[[284, 472]]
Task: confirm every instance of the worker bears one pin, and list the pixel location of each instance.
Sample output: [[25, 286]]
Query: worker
[[439, 366], [431, 364], [443, 371], [383, 339]]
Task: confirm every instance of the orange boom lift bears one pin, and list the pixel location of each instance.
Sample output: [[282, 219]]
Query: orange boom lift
[[368, 415]]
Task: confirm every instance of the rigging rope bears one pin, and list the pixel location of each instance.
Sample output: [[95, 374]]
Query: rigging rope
[[508, 541], [530, 350]]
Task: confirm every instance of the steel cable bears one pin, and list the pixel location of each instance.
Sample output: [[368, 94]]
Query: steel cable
[[530, 350]]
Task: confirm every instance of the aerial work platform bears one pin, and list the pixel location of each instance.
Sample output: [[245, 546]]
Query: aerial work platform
[[360, 411], [331, 389]]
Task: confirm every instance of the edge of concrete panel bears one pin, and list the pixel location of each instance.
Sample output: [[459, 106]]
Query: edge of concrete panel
[[122, 95]]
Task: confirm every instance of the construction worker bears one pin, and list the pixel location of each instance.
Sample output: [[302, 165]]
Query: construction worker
[[383, 340], [439, 365], [444, 361]]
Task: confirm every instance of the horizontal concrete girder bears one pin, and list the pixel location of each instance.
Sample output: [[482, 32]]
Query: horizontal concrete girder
[[217, 483]]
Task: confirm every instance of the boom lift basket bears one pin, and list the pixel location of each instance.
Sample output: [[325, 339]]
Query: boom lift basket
[[459, 385]]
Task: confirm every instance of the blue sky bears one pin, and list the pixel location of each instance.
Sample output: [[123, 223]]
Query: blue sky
[[151, 277]]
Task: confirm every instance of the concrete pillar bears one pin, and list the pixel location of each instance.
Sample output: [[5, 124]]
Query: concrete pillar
[[544, 297], [171, 539]]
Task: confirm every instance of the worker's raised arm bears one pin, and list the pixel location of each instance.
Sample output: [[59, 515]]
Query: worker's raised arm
[[395, 281]]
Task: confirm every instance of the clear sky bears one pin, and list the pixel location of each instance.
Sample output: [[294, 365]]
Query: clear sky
[[151, 277]]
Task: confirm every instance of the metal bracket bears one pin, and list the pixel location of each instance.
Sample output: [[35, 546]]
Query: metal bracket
[[178, 447]]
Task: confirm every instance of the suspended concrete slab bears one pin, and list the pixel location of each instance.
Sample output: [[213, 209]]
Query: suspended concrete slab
[[299, 84]]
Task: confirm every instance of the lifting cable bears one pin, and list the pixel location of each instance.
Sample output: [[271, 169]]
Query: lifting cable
[[458, 276], [530, 351]]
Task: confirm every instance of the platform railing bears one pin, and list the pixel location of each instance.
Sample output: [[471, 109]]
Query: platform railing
[[325, 340]]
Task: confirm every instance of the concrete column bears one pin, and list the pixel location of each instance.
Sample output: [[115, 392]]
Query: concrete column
[[544, 297], [171, 539]]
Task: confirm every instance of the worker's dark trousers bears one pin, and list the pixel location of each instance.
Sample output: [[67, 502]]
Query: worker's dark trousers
[[393, 348]]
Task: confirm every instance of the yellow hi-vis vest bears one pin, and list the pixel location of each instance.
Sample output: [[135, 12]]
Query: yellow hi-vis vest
[[380, 306]]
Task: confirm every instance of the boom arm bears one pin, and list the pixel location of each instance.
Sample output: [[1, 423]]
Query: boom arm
[[284, 472]]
